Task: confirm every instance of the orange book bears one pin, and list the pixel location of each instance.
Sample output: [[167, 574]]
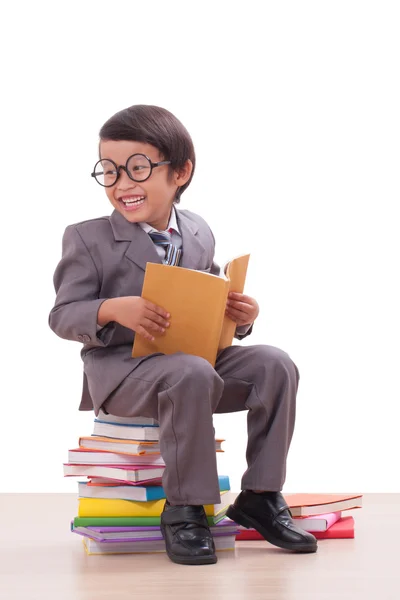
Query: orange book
[[196, 302], [302, 505], [118, 446]]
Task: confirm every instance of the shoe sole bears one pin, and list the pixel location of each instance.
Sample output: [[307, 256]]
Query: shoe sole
[[237, 515], [189, 560]]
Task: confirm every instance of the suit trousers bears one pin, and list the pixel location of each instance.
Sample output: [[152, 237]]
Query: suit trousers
[[183, 391]]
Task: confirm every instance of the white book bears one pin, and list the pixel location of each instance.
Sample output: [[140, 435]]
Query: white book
[[84, 457], [317, 522], [126, 432], [102, 416], [93, 547]]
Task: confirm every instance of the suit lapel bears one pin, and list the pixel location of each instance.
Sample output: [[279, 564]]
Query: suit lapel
[[141, 249], [192, 248]]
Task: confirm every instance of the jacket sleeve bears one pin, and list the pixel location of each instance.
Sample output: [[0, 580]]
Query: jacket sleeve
[[77, 285], [243, 331]]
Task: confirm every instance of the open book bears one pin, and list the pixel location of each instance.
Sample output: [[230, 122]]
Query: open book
[[196, 302]]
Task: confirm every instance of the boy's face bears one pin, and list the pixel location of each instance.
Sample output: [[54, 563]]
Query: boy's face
[[155, 195]]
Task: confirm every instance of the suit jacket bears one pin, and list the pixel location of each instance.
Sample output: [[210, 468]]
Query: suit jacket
[[106, 258]]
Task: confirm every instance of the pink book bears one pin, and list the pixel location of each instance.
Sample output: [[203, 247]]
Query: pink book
[[104, 482], [130, 473], [318, 522]]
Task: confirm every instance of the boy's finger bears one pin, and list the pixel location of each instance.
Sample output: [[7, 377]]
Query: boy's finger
[[241, 297], [142, 331], [237, 313], [157, 309], [247, 308], [152, 316], [149, 324]]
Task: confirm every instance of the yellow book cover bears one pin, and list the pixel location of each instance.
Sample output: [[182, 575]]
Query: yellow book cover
[[111, 507], [196, 302]]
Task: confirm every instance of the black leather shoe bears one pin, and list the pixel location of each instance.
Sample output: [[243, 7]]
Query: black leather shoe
[[188, 538], [269, 514]]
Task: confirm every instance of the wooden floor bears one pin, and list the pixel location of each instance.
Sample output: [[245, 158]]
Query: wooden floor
[[40, 559]]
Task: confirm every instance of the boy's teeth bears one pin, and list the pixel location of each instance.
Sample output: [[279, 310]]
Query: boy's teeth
[[131, 201]]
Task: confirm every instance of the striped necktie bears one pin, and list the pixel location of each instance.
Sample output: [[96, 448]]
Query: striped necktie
[[172, 253]]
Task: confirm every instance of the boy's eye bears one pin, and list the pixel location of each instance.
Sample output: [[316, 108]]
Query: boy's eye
[[139, 167]]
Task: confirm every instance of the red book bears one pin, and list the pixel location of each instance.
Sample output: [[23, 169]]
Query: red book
[[249, 534], [344, 528]]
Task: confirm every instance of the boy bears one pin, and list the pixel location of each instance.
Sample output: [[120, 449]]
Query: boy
[[146, 162]]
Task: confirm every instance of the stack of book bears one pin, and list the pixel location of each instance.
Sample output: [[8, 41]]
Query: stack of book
[[121, 501], [320, 514]]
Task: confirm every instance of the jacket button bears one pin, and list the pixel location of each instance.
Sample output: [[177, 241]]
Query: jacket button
[[86, 338], [80, 338]]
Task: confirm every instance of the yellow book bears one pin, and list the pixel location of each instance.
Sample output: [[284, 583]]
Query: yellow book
[[196, 302], [102, 507]]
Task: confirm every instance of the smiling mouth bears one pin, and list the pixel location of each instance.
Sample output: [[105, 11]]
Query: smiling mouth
[[132, 201]]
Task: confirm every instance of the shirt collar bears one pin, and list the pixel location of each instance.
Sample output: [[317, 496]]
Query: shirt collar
[[173, 224]]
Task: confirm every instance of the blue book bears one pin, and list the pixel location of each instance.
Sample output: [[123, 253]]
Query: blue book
[[156, 492], [138, 493]]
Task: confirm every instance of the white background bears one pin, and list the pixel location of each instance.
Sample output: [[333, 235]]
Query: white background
[[294, 111]]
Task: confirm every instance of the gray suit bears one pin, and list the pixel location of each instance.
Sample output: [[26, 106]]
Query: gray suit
[[105, 258]]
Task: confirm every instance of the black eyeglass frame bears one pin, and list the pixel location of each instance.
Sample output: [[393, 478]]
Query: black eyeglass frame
[[153, 165]]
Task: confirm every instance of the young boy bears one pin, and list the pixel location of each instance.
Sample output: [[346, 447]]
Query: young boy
[[146, 162]]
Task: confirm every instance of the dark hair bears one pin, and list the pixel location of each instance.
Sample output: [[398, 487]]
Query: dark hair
[[156, 126]]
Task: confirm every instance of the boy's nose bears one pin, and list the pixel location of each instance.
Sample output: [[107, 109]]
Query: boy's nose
[[124, 180]]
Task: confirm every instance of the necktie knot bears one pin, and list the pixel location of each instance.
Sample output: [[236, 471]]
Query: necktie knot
[[161, 237], [164, 239]]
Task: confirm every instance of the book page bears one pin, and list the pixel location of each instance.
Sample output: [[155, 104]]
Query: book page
[[196, 302], [236, 274]]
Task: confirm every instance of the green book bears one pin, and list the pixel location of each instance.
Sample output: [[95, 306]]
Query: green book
[[131, 521]]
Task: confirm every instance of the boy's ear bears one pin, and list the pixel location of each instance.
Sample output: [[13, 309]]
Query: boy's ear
[[182, 175]]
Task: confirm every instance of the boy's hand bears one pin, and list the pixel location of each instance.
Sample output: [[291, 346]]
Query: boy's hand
[[242, 309], [140, 315]]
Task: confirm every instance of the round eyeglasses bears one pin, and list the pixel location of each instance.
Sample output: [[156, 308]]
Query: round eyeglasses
[[138, 167]]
